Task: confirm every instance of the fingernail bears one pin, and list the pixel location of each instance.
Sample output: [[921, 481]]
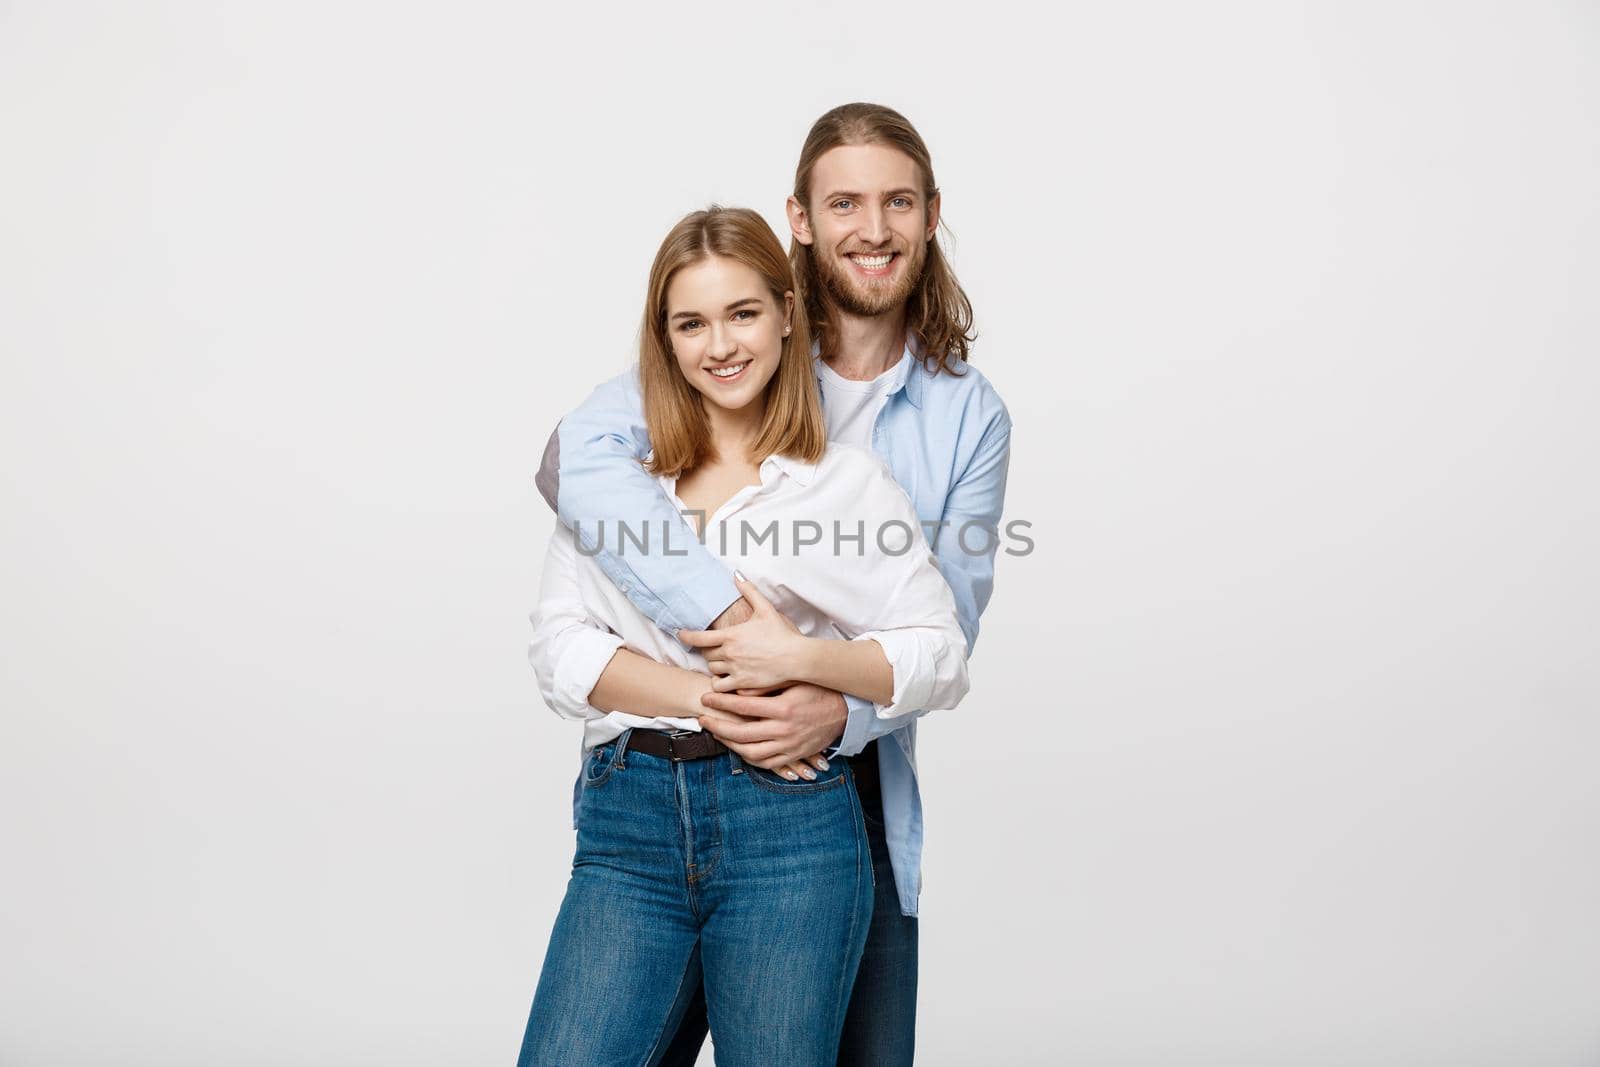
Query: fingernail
[[790, 775], [825, 764], [810, 774], [740, 575]]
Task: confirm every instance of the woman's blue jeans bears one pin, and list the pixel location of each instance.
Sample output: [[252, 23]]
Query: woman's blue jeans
[[710, 874]]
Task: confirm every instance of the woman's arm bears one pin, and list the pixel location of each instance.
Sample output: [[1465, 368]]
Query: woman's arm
[[769, 651], [860, 667], [639, 685], [907, 653], [569, 650], [584, 670]]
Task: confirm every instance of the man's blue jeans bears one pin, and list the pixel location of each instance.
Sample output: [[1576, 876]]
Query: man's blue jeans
[[880, 1028], [705, 875]]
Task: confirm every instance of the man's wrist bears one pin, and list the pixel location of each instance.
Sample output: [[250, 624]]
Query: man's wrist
[[735, 613], [859, 715], [841, 722]]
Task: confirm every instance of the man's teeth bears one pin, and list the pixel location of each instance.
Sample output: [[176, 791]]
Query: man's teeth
[[874, 262], [729, 372]]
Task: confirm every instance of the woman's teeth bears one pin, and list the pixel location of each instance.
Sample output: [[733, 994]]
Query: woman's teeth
[[729, 372]]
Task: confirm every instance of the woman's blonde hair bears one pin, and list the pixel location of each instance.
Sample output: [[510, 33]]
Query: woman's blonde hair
[[938, 312], [674, 413]]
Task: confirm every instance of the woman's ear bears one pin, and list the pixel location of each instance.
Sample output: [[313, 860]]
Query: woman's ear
[[788, 310]]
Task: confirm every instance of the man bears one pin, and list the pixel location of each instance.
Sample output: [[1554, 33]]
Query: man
[[893, 329]]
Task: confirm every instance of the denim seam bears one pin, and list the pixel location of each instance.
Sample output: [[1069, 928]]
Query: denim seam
[[708, 853], [600, 779], [713, 848], [685, 808], [841, 1004]]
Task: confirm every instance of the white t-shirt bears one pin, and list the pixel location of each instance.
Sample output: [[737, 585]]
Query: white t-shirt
[[850, 407]]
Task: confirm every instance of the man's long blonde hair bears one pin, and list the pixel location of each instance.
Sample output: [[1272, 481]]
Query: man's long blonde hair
[[938, 312], [674, 412]]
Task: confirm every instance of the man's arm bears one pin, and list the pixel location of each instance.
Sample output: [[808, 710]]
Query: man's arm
[[591, 474]]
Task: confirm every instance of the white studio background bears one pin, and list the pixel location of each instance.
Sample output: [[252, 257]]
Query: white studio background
[[1282, 744]]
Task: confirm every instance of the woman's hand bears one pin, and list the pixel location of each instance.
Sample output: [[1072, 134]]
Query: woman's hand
[[796, 771], [760, 654], [723, 725]]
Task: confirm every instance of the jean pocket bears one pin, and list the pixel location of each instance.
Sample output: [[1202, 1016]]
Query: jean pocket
[[597, 768], [827, 780]]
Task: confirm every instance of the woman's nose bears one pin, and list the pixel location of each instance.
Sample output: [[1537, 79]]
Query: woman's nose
[[722, 340]]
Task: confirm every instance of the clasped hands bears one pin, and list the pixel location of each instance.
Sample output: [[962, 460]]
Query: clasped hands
[[756, 707]]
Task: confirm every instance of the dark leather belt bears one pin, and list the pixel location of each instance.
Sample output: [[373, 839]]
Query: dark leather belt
[[677, 747]]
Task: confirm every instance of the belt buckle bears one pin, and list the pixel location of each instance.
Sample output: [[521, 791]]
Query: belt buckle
[[672, 748]]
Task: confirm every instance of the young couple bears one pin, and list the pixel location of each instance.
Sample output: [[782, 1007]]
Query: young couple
[[775, 538]]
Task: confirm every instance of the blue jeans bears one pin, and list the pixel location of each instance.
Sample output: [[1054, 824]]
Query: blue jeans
[[880, 1027], [706, 876]]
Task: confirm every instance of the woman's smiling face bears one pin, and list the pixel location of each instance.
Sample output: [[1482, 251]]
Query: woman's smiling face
[[726, 330]]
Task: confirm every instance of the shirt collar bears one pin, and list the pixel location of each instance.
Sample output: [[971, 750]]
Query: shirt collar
[[799, 470], [770, 469]]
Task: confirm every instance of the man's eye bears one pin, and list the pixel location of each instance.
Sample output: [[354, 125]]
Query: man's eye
[[900, 201], [843, 205]]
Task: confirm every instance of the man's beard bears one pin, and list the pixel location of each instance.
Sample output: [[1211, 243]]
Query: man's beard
[[848, 292]]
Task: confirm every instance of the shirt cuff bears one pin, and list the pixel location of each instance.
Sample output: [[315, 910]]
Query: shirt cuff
[[913, 671], [860, 716], [698, 604], [580, 670]]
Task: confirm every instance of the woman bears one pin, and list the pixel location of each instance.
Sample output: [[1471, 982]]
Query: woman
[[694, 866]]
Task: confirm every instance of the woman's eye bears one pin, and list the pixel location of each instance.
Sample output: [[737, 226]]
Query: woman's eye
[[744, 315], [689, 324]]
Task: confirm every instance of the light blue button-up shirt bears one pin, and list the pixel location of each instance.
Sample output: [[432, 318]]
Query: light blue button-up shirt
[[947, 439]]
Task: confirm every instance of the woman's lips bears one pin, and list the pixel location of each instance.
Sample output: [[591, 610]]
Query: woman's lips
[[735, 376]]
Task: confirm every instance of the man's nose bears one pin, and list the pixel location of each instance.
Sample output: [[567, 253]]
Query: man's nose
[[874, 225]]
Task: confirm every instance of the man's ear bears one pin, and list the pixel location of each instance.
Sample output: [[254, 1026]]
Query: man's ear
[[933, 216], [799, 221]]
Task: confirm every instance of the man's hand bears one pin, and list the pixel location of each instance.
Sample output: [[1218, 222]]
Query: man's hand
[[781, 731], [766, 651]]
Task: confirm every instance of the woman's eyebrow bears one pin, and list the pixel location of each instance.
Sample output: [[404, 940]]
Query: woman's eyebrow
[[730, 307]]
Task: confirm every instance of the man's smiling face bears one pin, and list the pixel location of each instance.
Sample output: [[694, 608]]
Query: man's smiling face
[[868, 225]]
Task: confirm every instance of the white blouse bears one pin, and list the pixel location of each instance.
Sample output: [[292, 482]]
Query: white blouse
[[834, 545]]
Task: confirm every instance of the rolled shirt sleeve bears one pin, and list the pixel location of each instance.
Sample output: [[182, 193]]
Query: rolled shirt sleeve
[[569, 650]]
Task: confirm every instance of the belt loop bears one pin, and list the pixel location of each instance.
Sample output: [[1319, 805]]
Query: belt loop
[[622, 748], [735, 764]]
